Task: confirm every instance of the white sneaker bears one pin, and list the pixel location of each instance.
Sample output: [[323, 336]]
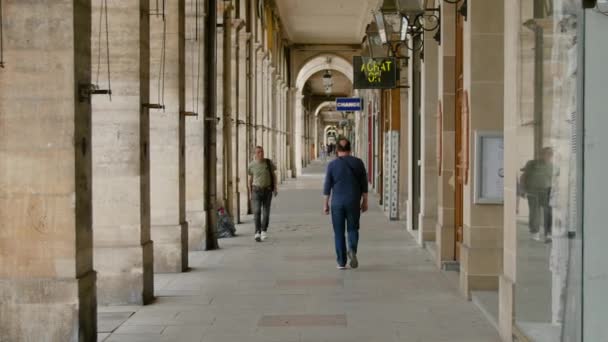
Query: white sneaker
[[264, 236], [257, 237], [341, 267], [537, 237]]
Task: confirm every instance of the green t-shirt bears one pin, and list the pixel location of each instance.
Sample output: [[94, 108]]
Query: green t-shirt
[[538, 175], [259, 171]]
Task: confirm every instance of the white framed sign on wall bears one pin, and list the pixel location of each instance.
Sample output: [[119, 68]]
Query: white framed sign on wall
[[489, 167]]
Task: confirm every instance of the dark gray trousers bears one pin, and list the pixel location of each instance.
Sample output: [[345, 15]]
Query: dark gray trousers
[[261, 200], [538, 203]]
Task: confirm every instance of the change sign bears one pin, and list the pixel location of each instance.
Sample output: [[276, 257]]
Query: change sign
[[348, 104], [374, 73]]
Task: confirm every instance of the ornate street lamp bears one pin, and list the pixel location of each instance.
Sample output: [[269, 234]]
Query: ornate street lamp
[[407, 18], [410, 19]]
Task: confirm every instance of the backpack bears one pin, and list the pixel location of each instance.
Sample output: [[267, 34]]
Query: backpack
[[269, 168]]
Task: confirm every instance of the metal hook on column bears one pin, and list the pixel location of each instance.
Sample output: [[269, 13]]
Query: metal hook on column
[[153, 106], [85, 90], [217, 119], [186, 113]]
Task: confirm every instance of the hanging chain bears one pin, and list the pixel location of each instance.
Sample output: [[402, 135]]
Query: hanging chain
[[1, 38], [108, 49], [160, 104], [161, 75], [194, 47], [103, 19], [193, 52], [199, 55]]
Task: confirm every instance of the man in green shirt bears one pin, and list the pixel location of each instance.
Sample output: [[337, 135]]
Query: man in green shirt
[[262, 184], [536, 182]]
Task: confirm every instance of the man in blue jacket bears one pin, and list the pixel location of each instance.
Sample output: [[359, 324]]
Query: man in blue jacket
[[346, 184]]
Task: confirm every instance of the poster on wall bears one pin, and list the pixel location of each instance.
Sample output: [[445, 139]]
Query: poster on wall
[[374, 73], [489, 168]]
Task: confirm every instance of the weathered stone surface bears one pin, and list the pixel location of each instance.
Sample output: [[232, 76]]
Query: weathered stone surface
[[167, 138], [47, 285], [195, 138], [120, 159], [170, 248]]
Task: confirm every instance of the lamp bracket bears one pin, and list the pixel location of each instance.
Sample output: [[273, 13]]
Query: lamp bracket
[[153, 106], [85, 90]]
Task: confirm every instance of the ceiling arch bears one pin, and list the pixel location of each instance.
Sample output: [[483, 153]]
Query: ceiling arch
[[323, 62]]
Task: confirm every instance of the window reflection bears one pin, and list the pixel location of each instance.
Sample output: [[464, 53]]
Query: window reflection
[[547, 190]]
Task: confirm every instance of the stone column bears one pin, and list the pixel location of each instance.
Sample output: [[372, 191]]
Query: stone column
[[279, 129], [259, 91], [506, 283], [47, 282], [316, 136], [291, 112], [428, 154], [195, 128], [228, 83], [404, 150], [242, 144], [414, 79], [220, 142], [284, 149], [121, 167], [266, 104], [286, 128], [445, 231], [298, 132], [305, 132], [481, 249], [167, 142], [273, 115]]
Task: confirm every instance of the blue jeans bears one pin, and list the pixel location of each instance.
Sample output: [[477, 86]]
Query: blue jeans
[[345, 218]]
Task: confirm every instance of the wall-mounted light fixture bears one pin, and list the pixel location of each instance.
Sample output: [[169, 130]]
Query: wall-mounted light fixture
[[327, 82]]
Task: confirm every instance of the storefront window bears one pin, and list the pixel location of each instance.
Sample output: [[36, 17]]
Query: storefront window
[[548, 256]]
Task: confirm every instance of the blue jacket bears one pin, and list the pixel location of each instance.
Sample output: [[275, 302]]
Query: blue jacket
[[346, 181]]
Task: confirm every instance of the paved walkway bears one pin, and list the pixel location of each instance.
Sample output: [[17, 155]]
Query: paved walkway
[[287, 288]]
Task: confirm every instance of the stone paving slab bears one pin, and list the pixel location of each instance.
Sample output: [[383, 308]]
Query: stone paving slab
[[302, 320], [107, 322], [286, 289]]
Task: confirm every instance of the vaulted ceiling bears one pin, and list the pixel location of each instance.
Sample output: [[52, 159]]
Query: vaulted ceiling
[[326, 21]]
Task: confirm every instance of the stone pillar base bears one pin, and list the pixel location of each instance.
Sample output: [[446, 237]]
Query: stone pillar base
[[479, 269], [170, 248], [196, 230], [244, 204], [48, 309], [125, 274], [444, 236], [427, 228], [505, 308]]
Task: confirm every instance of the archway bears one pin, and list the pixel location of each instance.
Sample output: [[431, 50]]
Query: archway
[[314, 65], [320, 107]]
